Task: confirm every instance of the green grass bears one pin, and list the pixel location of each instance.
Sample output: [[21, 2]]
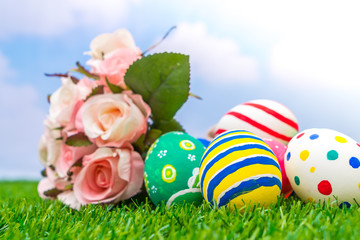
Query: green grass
[[23, 215]]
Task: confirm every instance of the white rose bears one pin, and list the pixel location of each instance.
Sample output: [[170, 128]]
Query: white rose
[[108, 42], [63, 100], [49, 148]]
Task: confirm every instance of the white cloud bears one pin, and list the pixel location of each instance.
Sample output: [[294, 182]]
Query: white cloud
[[321, 50], [52, 17], [307, 43], [213, 58], [20, 124]]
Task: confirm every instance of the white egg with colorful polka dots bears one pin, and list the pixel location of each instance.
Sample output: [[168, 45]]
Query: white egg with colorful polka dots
[[323, 165]]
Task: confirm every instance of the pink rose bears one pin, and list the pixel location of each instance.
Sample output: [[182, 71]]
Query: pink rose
[[112, 120], [109, 175], [108, 42], [114, 65], [69, 155]]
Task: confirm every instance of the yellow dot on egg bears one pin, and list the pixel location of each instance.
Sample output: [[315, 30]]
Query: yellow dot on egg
[[304, 155], [312, 169], [310, 199], [359, 185], [340, 139]]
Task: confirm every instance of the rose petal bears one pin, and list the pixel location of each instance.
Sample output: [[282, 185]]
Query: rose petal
[[72, 122], [44, 185], [108, 42], [124, 164], [69, 198], [62, 102], [69, 155], [137, 176], [139, 102]]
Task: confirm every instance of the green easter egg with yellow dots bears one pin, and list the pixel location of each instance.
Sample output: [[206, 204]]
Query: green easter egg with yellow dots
[[172, 169]]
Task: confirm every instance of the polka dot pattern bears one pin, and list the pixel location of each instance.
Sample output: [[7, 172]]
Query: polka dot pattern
[[340, 139], [304, 155], [325, 187], [354, 162], [344, 204], [314, 136], [297, 180], [323, 165], [332, 155], [288, 156], [168, 173], [187, 145], [300, 135]]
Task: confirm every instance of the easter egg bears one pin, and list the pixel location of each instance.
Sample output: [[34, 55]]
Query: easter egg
[[172, 169], [279, 150], [323, 165], [239, 168], [205, 142], [265, 118]]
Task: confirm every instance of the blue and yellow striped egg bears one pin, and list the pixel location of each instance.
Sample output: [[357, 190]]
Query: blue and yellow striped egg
[[239, 168]]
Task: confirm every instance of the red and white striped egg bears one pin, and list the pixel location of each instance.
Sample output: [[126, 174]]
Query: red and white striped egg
[[265, 118]]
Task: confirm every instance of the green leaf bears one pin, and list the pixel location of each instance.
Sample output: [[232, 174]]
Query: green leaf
[[52, 167], [68, 187], [78, 140], [113, 88], [152, 135], [57, 128], [163, 82], [52, 192], [169, 126], [139, 144], [95, 91]]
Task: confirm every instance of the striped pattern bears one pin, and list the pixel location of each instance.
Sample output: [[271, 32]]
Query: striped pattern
[[266, 118], [238, 165]]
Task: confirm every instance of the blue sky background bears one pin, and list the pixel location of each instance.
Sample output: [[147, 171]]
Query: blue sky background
[[304, 55]]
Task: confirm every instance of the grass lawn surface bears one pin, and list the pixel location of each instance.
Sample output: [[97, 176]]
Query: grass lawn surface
[[23, 215]]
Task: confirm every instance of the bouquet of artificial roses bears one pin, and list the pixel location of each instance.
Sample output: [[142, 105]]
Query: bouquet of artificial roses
[[100, 126]]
